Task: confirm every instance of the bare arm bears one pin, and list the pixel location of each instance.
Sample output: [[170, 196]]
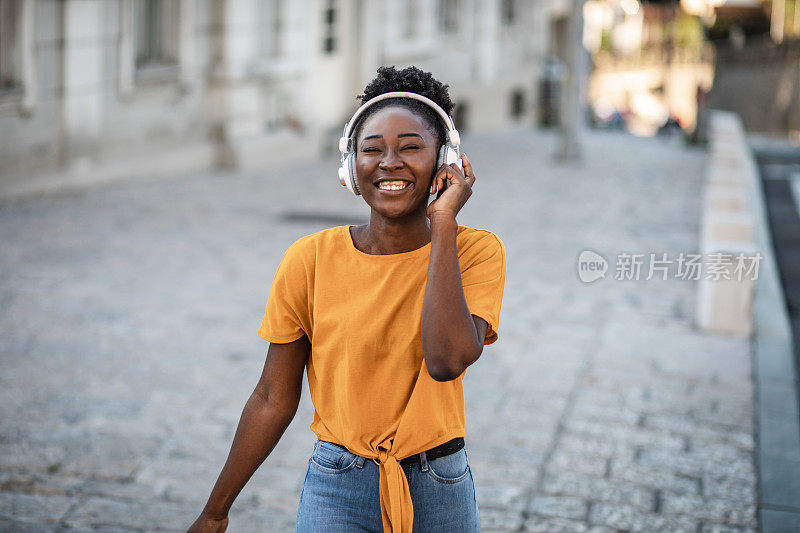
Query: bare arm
[[265, 417], [452, 338]]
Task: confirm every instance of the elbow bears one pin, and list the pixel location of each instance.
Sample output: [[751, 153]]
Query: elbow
[[451, 371], [444, 374]]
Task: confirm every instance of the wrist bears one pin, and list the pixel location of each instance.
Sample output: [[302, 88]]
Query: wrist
[[216, 511], [443, 220]]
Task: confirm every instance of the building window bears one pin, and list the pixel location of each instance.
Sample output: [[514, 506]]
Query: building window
[[448, 15], [329, 20], [517, 103], [156, 35], [10, 46], [461, 116], [508, 13]]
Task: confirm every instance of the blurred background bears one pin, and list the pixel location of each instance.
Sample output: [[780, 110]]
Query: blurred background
[[157, 158], [197, 83]]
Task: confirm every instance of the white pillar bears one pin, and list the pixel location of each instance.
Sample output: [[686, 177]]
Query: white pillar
[[236, 106], [488, 26], [81, 99], [572, 125]]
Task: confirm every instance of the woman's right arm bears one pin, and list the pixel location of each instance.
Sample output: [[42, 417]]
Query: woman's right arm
[[265, 417]]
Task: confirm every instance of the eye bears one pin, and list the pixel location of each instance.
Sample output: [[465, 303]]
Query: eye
[[370, 149], [411, 147]]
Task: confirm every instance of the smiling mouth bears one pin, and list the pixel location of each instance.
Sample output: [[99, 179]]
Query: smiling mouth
[[394, 185]]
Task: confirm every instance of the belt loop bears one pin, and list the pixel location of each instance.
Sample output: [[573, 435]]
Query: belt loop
[[423, 460], [360, 461]]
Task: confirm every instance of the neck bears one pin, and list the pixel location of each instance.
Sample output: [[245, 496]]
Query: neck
[[384, 236]]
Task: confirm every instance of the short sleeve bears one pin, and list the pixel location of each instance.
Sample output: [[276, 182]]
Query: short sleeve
[[483, 280], [288, 313]]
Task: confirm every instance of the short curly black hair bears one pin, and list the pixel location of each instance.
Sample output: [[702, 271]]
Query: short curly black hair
[[410, 79]]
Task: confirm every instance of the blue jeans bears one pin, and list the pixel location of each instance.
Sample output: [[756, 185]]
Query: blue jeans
[[340, 493]]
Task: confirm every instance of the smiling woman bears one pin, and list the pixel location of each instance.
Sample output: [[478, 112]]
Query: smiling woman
[[385, 318]]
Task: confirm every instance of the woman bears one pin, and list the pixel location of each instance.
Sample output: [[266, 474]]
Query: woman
[[386, 317]]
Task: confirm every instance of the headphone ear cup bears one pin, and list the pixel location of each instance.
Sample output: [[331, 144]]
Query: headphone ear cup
[[441, 157], [447, 155], [351, 174]]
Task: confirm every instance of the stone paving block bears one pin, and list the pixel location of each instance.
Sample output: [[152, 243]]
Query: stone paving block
[[125, 490], [251, 520], [28, 455], [498, 519], [737, 491], [179, 480], [726, 414], [654, 478], [588, 412], [631, 519], [499, 495], [707, 440], [495, 452], [148, 516], [276, 488], [598, 489], [11, 525], [111, 457], [35, 507], [634, 436], [736, 466], [543, 524], [38, 483], [559, 507], [711, 510], [601, 445], [580, 463], [681, 425], [719, 528]]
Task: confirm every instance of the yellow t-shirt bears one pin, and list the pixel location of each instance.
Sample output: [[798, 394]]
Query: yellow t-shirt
[[362, 313]]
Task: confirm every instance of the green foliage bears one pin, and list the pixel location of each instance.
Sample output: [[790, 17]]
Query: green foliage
[[688, 31]]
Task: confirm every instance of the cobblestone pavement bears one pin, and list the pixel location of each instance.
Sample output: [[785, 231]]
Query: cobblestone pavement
[[128, 317]]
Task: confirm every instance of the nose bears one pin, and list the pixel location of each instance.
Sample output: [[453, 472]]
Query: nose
[[390, 161]]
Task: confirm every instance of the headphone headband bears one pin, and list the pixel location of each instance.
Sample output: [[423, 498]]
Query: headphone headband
[[452, 133]]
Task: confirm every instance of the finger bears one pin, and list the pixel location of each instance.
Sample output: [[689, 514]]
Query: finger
[[435, 180], [468, 172], [454, 173], [438, 180], [458, 175], [457, 170]]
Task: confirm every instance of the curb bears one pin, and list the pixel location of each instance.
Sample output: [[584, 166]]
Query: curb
[[776, 409]]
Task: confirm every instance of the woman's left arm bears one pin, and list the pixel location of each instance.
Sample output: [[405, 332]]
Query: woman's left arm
[[452, 338]]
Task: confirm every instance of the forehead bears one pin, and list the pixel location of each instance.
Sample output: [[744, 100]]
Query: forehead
[[394, 118]]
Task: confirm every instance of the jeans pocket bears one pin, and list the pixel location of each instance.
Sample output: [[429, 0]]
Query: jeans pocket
[[332, 458], [450, 468]]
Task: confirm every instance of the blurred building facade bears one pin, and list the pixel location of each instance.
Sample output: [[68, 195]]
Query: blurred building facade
[[244, 83], [651, 60]]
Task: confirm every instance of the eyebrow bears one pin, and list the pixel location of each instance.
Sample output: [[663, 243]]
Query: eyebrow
[[399, 136]]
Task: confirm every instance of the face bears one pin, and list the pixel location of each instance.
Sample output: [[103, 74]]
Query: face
[[395, 147]]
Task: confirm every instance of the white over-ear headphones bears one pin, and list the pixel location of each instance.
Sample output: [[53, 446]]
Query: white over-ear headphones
[[448, 153]]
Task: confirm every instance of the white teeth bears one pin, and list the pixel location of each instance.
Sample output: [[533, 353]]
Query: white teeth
[[388, 187]]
